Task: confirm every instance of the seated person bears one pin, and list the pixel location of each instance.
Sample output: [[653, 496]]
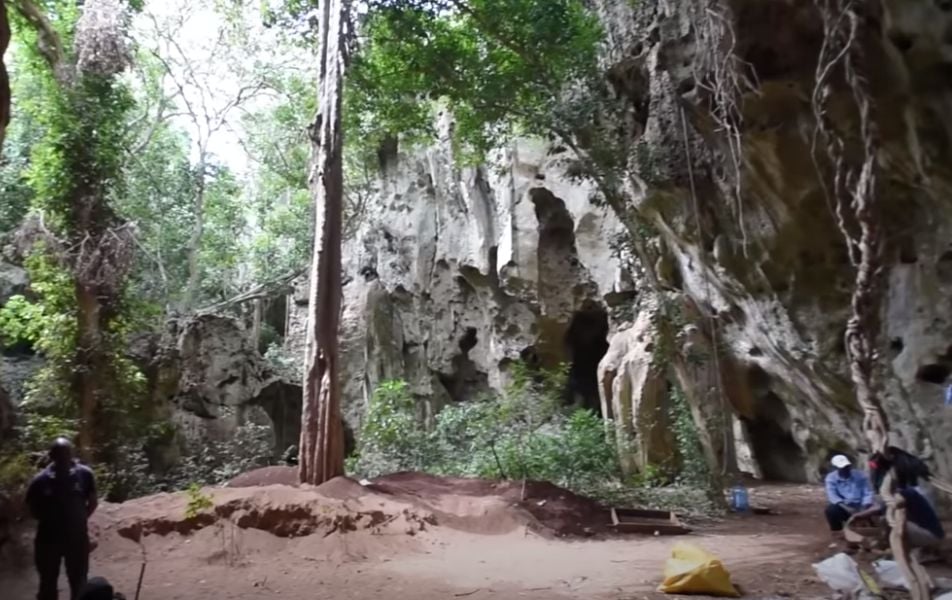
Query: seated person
[[923, 528], [848, 492]]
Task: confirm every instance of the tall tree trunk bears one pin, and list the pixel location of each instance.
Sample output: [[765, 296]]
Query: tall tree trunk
[[321, 454], [195, 241], [86, 374], [4, 77]]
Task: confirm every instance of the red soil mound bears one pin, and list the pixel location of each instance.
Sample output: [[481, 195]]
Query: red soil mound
[[266, 476], [281, 510], [473, 505], [552, 509]]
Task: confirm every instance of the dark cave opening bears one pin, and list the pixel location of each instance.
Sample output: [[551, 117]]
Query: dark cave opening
[[465, 381], [772, 444], [586, 342], [282, 402], [935, 373], [273, 323]]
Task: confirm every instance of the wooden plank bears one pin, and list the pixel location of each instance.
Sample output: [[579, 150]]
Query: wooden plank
[[650, 522], [652, 528], [642, 513]]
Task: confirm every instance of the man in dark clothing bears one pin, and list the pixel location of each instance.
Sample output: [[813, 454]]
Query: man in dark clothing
[[923, 528], [61, 498]]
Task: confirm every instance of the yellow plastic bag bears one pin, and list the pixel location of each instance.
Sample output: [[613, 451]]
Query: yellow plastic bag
[[691, 570]]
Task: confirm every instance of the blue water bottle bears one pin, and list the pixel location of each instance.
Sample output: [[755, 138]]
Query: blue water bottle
[[739, 498]]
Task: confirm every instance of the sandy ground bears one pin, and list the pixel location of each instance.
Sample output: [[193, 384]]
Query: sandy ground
[[409, 546]]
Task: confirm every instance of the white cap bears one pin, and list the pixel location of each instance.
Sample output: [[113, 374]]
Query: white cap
[[839, 461]]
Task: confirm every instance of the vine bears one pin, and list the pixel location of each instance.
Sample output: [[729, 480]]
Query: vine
[[846, 28], [722, 74], [81, 250]]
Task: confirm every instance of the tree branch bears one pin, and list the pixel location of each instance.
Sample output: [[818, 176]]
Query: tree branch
[[48, 40]]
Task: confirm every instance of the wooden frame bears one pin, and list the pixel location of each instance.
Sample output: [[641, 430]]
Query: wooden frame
[[651, 522]]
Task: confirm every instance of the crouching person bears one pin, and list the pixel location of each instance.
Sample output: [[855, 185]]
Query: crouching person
[[923, 528], [848, 492]]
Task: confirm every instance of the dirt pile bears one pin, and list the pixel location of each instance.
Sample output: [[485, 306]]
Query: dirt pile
[[401, 503], [338, 507], [471, 505], [541, 506], [266, 476]]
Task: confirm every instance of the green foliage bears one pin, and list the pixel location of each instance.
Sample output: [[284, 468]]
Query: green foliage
[[36, 427], [525, 433], [198, 501], [16, 470], [22, 133], [501, 66], [280, 193], [76, 126], [215, 462], [48, 324], [694, 468], [222, 255], [392, 438]]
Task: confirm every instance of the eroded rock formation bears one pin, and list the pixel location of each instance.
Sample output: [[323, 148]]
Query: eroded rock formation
[[207, 375], [455, 273]]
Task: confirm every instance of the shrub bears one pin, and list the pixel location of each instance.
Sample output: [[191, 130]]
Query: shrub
[[214, 463], [198, 501], [392, 438], [524, 433]]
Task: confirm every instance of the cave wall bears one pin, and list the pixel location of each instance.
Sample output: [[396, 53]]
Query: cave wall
[[454, 273], [772, 270]]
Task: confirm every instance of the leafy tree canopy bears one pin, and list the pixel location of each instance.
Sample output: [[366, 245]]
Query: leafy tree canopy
[[501, 67]]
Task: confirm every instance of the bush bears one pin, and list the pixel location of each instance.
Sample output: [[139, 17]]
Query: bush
[[214, 463], [522, 434]]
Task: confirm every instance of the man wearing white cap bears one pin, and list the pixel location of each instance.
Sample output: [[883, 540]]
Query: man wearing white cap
[[848, 492]]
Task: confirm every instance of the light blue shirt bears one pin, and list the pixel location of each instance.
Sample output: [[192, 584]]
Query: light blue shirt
[[853, 491]]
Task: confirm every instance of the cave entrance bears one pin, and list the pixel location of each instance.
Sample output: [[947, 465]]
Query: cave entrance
[[561, 277], [282, 402], [466, 381], [772, 445], [586, 343]]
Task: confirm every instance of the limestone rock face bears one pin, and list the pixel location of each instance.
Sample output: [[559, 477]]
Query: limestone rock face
[[770, 270], [219, 366], [634, 394], [13, 280], [209, 378], [455, 273]]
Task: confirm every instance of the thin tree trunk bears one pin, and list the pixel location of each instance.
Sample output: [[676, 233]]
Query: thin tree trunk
[[86, 374], [4, 77], [321, 454], [195, 241]]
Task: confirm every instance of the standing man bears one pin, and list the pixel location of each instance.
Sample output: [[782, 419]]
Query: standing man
[[61, 498], [848, 492]]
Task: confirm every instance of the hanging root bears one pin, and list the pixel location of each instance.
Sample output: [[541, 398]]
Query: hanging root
[[842, 60], [726, 78]]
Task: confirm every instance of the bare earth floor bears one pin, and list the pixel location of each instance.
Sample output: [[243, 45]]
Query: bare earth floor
[[768, 556]]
